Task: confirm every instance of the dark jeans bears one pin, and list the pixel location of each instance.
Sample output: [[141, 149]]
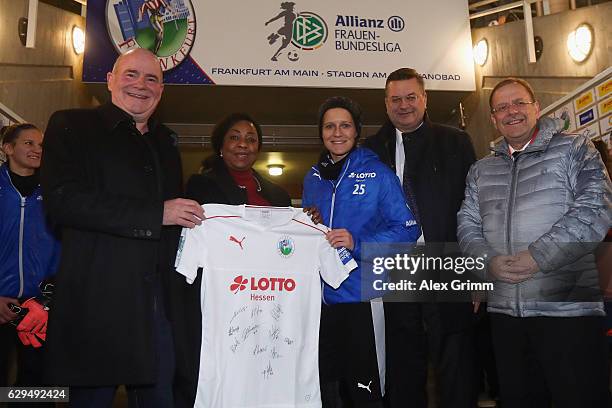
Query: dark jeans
[[564, 356]]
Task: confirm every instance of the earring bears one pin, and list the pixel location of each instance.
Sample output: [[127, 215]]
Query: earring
[[220, 154]]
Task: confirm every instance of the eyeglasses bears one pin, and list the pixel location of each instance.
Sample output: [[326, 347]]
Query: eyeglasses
[[411, 99], [503, 108]]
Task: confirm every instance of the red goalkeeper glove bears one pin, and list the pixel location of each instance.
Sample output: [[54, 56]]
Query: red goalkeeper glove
[[33, 326], [31, 339]]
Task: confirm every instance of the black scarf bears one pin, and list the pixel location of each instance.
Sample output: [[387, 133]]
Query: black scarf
[[328, 169]]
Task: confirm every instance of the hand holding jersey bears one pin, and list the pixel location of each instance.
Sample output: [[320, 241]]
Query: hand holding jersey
[[183, 212], [339, 238], [314, 214]]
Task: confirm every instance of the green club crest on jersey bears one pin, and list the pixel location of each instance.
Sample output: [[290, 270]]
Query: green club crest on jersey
[[285, 246]]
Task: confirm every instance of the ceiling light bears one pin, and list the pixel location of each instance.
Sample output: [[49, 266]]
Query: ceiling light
[[78, 40], [580, 42], [275, 169], [481, 52]]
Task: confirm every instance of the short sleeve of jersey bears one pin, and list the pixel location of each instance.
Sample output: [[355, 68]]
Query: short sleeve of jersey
[[335, 264], [191, 252]]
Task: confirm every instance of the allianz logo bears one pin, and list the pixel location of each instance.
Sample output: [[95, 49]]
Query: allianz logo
[[362, 175]]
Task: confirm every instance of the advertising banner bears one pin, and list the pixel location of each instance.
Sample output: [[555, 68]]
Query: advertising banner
[[315, 43], [584, 100]]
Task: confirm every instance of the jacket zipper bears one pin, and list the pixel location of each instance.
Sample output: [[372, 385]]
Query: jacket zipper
[[509, 224], [331, 216], [333, 201], [331, 219], [335, 186], [21, 226], [21, 223]]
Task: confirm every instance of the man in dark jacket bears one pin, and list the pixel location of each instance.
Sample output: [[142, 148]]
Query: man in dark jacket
[[432, 162], [111, 177]]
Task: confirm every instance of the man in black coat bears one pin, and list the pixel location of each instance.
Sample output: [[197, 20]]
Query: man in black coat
[[111, 177], [432, 161]]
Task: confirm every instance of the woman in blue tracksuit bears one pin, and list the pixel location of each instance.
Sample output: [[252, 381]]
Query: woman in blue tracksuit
[[29, 252], [362, 201]]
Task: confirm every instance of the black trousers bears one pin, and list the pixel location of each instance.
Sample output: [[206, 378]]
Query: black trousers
[[29, 363], [348, 366], [414, 333], [567, 356], [487, 370], [158, 395]]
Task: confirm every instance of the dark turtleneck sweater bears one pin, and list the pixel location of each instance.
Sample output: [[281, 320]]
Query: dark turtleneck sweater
[[24, 184]]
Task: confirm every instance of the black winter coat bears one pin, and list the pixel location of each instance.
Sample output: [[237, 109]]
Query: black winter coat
[[104, 188], [216, 185], [439, 189]]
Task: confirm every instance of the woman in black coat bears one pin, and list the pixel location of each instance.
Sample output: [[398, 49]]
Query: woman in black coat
[[231, 179], [236, 141]]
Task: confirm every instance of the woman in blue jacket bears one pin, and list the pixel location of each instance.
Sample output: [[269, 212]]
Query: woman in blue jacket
[[29, 252], [362, 201]]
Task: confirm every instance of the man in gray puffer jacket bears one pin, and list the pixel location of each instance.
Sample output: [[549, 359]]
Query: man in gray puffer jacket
[[536, 209]]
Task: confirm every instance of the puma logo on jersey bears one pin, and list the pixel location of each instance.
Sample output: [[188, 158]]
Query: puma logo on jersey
[[316, 175], [236, 240], [360, 385]]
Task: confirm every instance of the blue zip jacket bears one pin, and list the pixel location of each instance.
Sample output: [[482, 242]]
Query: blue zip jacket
[[29, 252], [366, 199]]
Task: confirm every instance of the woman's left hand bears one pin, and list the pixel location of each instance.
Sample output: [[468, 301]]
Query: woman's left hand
[[340, 238], [314, 214]]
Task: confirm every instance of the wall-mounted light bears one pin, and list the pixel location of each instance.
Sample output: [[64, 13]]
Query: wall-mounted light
[[275, 169], [78, 40], [580, 42], [22, 30], [539, 46], [481, 52]]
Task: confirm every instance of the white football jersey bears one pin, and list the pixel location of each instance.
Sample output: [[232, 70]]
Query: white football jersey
[[261, 303]]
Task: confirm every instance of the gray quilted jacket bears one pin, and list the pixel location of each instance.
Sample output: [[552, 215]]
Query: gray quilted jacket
[[553, 199]]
